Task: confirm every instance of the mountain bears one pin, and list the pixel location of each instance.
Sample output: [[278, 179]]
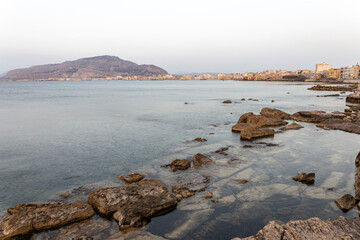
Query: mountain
[[84, 68]]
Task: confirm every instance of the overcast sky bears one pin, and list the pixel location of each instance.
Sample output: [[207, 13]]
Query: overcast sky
[[182, 36]]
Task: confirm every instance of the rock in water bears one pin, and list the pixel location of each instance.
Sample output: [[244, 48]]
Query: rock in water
[[292, 126], [200, 160], [30, 217], [208, 195], [257, 133], [312, 228], [243, 118], [199, 140], [134, 204], [307, 178], [243, 126], [274, 113], [357, 160], [262, 121], [222, 149], [340, 124], [357, 185], [346, 202], [179, 165], [132, 177], [227, 101]]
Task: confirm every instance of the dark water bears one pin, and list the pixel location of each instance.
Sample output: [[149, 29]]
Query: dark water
[[60, 135]]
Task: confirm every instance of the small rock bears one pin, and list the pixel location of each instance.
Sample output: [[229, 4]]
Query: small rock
[[199, 140], [132, 177], [222, 149], [243, 99], [293, 126], [185, 102], [272, 101], [208, 195], [211, 133], [227, 101], [241, 181], [200, 160], [346, 202], [179, 165], [307, 178]]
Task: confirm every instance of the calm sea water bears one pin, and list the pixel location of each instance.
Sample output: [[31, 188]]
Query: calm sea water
[[61, 135]]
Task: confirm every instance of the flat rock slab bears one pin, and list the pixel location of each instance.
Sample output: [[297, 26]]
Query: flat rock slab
[[257, 133], [132, 177], [346, 202], [312, 228], [332, 88], [315, 116], [243, 126], [274, 113], [134, 204], [293, 126], [30, 217], [340, 124], [307, 178]]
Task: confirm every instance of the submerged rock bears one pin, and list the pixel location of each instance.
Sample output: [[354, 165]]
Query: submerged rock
[[182, 192], [132, 177], [274, 113], [200, 160], [241, 181], [312, 228], [292, 126], [346, 202], [257, 133], [30, 217], [307, 178], [134, 204]]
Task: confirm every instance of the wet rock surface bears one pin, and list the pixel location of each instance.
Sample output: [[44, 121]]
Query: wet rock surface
[[132, 177], [313, 228], [135, 203], [340, 124], [346, 202], [200, 160], [274, 113], [292, 126], [30, 217], [257, 133], [333, 88], [179, 164], [243, 126], [306, 178], [315, 116]]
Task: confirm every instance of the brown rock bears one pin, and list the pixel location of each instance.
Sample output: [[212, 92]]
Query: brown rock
[[357, 160], [340, 124], [312, 228], [200, 160], [241, 181], [329, 95], [353, 98], [243, 126], [222, 149], [243, 118], [257, 133], [292, 126], [133, 204], [262, 121], [346, 202], [227, 101], [179, 165], [199, 140], [132, 177], [357, 185], [274, 113], [208, 195], [332, 88], [315, 116], [183, 191], [29, 217], [307, 178]]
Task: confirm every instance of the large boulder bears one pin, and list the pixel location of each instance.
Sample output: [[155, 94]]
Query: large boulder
[[257, 133], [30, 217], [274, 113], [135, 203], [312, 228], [346, 202], [200, 160]]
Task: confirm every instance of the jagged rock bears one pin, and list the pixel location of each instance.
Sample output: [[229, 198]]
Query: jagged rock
[[312, 228], [227, 101], [30, 217], [199, 140], [262, 121], [200, 160], [243, 118], [243, 126], [208, 195], [179, 165], [292, 126], [222, 149], [315, 116], [133, 204], [340, 124], [307, 178], [346, 202], [274, 113], [132, 177], [257, 133]]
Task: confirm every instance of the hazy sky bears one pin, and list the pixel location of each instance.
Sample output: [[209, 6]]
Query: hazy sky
[[182, 36]]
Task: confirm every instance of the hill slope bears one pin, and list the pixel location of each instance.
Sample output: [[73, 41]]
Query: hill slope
[[94, 67]]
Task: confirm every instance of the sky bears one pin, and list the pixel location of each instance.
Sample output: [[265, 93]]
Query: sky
[[182, 36]]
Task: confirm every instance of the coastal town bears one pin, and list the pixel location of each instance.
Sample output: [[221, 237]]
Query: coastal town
[[322, 72]]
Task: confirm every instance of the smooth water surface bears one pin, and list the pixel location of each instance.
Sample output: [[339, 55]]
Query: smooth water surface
[[60, 135]]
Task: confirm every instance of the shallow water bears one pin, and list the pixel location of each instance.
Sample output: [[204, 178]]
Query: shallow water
[[62, 135]]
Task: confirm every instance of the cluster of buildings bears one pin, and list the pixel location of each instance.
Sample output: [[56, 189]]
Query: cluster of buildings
[[326, 71]]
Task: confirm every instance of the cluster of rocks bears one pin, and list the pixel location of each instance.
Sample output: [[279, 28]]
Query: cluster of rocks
[[333, 88], [353, 98]]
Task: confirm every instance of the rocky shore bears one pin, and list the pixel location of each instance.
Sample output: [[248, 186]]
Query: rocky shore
[[120, 211]]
